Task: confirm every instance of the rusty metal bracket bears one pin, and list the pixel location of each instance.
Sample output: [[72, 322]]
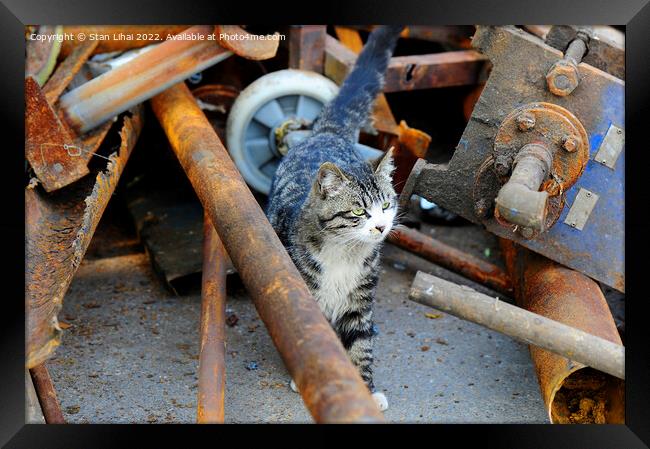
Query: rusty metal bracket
[[55, 152], [556, 152], [58, 228], [47, 142], [452, 68], [307, 47]]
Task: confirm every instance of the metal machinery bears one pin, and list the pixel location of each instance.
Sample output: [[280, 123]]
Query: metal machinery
[[541, 161]]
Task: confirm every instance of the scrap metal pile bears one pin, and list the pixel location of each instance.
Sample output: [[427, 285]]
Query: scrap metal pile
[[540, 164]]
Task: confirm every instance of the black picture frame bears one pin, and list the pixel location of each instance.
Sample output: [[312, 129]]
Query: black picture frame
[[15, 14]]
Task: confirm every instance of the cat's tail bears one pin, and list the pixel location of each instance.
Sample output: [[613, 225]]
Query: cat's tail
[[348, 111]]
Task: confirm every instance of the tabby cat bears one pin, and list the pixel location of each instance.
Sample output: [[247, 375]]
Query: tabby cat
[[332, 210]]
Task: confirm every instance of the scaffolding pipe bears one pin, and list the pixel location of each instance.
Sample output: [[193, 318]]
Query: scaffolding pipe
[[468, 304]]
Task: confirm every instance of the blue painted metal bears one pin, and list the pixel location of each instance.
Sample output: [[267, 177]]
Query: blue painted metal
[[599, 248], [520, 63]]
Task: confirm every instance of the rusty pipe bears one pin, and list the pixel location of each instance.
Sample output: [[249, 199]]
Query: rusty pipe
[[468, 304], [144, 76], [330, 385], [46, 395], [519, 200], [572, 392], [452, 259], [212, 352]]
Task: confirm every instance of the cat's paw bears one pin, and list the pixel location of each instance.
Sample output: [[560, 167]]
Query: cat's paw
[[380, 400], [294, 387]]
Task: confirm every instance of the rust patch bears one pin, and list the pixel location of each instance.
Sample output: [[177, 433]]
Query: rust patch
[[58, 229], [48, 142]]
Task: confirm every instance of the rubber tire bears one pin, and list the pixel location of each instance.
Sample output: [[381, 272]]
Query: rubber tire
[[266, 88]]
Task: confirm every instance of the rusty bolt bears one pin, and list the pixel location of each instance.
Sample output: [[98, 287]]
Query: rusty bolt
[[527, 233], [525, 121], [502, 165], [482, 207], [571, 143], [563, 78]]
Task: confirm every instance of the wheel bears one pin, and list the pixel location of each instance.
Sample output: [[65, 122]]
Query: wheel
[[266, 105]]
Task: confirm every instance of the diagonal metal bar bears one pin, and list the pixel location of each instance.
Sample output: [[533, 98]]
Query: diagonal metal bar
[[328, 382]]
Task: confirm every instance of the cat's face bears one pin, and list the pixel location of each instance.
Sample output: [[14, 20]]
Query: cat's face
[[353, 207]]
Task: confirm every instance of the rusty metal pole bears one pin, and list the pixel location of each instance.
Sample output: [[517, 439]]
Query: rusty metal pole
[[528, 327], [212, 353], [452, 259], [47, 395], [115, 91], [572, 392], [328, 382]]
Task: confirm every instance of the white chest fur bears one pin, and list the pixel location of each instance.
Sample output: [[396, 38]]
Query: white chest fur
[[341, 271]]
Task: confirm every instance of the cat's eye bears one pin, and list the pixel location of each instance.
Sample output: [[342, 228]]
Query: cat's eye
[[386, 205], [358, 212]]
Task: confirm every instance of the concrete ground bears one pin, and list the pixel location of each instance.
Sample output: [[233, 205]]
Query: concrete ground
[[130, 348]]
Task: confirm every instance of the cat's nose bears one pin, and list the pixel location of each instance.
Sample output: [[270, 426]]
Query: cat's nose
[[380, 228]]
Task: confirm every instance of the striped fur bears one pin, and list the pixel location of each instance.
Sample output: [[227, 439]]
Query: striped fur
[[332, 210]]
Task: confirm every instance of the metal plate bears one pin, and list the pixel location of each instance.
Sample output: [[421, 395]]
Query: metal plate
[[581, 209], [611, 147]]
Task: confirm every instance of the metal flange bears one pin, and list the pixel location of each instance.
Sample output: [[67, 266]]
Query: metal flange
[[547, 124], [555, 127]]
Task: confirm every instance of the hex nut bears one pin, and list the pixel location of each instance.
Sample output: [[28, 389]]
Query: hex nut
[[563, 78], [482, 207], [526, 233], [502, 165], [571, 143], [525, 121]]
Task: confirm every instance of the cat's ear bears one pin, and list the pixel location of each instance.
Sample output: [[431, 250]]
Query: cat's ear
[[384, 165], [330, 179]]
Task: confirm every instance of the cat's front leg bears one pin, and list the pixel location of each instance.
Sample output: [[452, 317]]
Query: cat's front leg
[[358, 341]]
